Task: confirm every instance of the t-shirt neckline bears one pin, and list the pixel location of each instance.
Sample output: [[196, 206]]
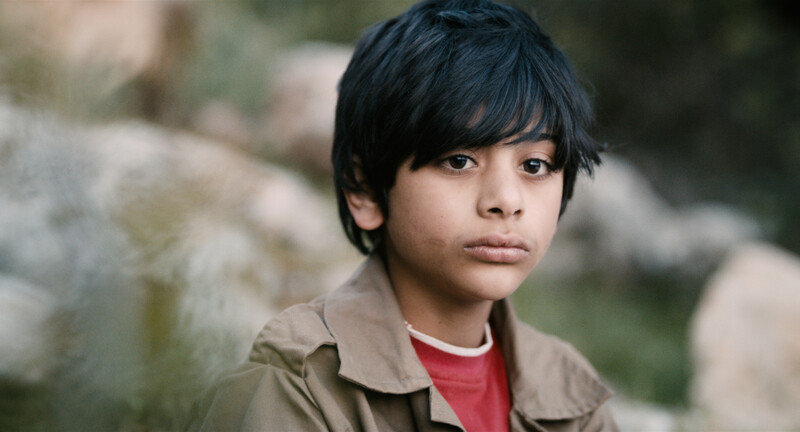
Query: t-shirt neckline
[[453, 349]]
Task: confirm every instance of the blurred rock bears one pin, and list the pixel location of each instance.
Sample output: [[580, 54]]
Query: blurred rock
[[110, 43], [223, 121], [745, 342], [617, 224], [634, 416], [146, 261], [26, 331], [299, 122]]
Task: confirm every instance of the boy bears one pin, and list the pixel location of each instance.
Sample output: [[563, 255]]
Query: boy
[[460, 129]]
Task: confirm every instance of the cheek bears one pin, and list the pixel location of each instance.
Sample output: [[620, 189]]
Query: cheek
[[546, 216], [418, 218], [421, 217], [553, 196]]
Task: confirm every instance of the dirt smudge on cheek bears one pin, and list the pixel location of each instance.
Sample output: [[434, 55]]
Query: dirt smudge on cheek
[[437, 243]]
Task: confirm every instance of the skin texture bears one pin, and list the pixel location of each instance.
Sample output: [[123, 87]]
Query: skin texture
[[465, 231]]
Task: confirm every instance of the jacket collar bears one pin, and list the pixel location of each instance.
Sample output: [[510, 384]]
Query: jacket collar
[[374, 347], [548, 379]]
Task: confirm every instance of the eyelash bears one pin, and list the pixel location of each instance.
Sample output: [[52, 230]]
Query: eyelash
[[447, 164]]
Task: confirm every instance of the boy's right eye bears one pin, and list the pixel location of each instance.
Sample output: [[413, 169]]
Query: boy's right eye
[[458, 162]]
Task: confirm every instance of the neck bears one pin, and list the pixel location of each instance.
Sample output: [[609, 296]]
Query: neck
[[456, 324]]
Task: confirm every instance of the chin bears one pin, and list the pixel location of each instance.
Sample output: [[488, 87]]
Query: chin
[[496, 283]]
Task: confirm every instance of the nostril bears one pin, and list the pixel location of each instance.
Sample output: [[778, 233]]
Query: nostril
[[495, 210]]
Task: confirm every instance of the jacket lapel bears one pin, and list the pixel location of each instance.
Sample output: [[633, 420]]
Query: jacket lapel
[[549, 380]]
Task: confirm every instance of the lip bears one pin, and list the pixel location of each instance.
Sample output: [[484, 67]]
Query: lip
[[498, 248]]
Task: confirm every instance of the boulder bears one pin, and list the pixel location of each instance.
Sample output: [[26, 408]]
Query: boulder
[[302, 105], [223, 121], [634, 416], [143, 262], [745, 344], [106, 45], [27, 331]]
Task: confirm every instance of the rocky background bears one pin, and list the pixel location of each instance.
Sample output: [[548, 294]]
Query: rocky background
[[164, 191]]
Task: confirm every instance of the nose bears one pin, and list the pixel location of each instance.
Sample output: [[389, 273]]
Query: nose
[[500, 195]]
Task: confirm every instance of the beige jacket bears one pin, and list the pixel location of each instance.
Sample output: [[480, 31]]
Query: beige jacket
[[344, 362]]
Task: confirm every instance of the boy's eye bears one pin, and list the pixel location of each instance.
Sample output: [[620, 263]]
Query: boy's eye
[[458, 162], [537, 166]]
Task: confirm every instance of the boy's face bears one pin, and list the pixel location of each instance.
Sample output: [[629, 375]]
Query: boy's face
[[470, 226]]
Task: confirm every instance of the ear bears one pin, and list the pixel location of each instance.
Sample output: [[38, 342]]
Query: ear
[[365, 210]]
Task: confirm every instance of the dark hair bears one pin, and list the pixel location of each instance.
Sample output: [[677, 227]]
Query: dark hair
[[450, 74]]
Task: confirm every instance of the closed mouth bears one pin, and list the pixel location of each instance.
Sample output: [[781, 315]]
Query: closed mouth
[[496, 248], [499, 241]]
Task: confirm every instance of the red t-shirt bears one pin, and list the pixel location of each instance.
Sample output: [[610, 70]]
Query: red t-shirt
[[476, 387]]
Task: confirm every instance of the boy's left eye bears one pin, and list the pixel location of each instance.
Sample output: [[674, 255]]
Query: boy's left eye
[[537, 167]]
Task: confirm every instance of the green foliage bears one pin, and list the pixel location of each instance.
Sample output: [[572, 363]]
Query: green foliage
[[636, 336], [22, 407]]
